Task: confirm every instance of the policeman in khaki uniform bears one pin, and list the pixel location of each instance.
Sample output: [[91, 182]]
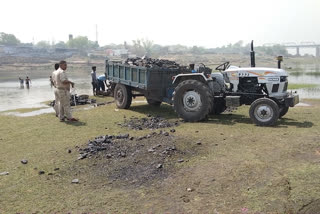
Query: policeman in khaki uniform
[[56, 96], [63, 91]]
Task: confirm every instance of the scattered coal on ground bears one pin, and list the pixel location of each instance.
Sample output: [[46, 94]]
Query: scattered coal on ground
[[148, 123], [132, 160], [154, 63]]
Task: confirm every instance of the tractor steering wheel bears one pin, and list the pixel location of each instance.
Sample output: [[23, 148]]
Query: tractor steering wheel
[[223, 66]]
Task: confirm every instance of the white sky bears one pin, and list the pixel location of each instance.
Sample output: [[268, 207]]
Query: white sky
[[208, 23]]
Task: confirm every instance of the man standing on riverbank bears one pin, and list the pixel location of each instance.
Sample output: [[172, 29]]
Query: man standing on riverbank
[[54, 84], [63, 86], [94, 80], [28, 81], [21, 82]]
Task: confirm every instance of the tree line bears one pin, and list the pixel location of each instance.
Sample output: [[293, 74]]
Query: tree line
[[80, 42], [141, 47]]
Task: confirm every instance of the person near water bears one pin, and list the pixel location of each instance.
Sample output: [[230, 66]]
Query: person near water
[[54, 84], [102, 82], [94, 80], [28, 81], [63, 85], [21, 82], [51, 80]]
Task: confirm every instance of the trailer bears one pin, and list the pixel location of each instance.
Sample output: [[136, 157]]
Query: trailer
[[128, 81]]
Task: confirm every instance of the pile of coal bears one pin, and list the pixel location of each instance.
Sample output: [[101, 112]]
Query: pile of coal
[[133, 160], [154, 63], [100, 143], [117, 146], [148, 123], [77, 100]]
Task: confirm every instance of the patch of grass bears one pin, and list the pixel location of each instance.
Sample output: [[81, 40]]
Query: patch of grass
[[300, 73], [299, 86], [238, 165], [296, 73]]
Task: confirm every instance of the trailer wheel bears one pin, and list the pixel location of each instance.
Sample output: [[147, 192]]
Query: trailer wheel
[[153, 102], [123, 96], [283, 111], [264, 112], [192, 100]]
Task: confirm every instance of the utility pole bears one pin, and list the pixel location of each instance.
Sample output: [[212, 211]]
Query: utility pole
[[96, 34]]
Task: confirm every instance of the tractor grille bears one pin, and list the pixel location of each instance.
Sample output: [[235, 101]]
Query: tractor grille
[[275, 88], [285, 87]]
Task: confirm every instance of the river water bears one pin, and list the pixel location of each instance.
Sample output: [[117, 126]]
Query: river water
[[14, 97]]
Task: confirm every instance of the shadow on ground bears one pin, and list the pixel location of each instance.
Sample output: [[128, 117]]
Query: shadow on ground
[[77, 123], [167, 112]]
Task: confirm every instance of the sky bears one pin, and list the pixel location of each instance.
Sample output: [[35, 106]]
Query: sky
[[207, 23]]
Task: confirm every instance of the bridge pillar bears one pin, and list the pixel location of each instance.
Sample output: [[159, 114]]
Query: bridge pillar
[[318, 51], [298, 51]]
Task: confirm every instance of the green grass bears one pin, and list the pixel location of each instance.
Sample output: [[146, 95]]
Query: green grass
[[300, 86], [300, 73], [238, 165]]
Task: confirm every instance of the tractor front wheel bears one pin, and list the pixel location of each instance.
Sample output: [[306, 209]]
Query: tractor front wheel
[[264, 112], [283, 111]]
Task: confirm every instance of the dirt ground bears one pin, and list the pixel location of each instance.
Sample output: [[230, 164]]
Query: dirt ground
[[223, 165]]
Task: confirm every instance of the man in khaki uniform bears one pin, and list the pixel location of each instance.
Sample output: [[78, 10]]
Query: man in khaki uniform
[[56, 96], [63, 86]]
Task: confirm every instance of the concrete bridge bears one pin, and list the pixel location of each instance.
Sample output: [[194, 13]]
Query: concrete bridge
[[293, 45]]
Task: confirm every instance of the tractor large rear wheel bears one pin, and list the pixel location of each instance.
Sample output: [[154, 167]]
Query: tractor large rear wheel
[[123, 96], [264, 112], [192, 100]]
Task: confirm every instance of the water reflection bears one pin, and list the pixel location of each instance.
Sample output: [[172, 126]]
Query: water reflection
[[32, 113], [13, 96]]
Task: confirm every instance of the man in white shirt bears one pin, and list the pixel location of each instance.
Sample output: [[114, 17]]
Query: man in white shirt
[[63, 86], [94, 80]]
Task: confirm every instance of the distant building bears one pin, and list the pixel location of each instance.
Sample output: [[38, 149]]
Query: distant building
[[123, 53], [31, 51]]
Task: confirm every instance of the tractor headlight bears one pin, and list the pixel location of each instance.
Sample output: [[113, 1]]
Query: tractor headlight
[[283, 79]]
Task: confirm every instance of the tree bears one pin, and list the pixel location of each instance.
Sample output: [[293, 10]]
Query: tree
[[147, 45], [8, 39], [82, 43], [138, 48], [60, 44], [197, 50], [43, 44]]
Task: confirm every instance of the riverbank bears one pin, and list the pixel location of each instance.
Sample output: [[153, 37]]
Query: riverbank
[[226, 165]]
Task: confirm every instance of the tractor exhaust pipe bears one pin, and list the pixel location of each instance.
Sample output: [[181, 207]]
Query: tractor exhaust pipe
[[252, 56], [280, 59]]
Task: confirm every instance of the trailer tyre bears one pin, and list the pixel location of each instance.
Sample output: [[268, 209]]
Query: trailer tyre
[[153, 102], [192, 100], [122, 96], [264, 112]]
